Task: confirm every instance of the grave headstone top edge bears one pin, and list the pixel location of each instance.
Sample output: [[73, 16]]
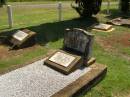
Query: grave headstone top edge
[[82, 30]]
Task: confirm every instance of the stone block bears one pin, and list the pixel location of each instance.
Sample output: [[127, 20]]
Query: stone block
[[23, 38]]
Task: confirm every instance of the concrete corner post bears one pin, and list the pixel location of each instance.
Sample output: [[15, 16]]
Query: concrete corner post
[[10, 16], [108, 6], [59, 11]]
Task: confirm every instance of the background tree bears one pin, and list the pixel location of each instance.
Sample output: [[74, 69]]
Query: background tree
[[87, 8], [2, 2], [124, 6]]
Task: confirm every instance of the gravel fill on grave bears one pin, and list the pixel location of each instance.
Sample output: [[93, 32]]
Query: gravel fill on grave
[[36, 80]]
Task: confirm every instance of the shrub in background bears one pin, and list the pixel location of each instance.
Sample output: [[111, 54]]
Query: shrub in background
[[48, 0], [2, 2]]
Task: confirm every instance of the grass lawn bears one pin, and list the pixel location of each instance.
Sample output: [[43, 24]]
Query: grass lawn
[[50, 36]]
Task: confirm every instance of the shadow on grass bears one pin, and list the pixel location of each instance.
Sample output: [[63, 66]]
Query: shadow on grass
[[50, 32], [6, 28], [114, 13]]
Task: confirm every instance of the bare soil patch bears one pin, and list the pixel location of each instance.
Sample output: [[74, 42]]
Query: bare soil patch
[[109, 43], [5, 53], [114, 42], [123, 39]]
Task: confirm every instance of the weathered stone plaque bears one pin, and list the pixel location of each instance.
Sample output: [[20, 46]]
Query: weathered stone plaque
[[20, 35], [102, 26], [62, 59], [23, 38]]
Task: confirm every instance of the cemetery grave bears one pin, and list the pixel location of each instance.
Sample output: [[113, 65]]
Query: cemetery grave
[[38, 80], [120, 21], [23, 38], [23, 41], [103, 27], [71, 60], [74, 56], [75, 53], [117, 64]]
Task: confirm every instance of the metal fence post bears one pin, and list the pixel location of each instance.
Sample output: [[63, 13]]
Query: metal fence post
[[10, 16], [59, 11]]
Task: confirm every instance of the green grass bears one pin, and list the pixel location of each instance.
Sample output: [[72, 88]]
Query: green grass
[[33, 0], [50, 34], [33, 16], [7, 64], [117, 80]]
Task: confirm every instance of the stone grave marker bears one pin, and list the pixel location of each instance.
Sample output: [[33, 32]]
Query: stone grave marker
[[79, 42], [20, 35], [76, 51], [119, 21], [23, 38], [104, 27], [65, 59]]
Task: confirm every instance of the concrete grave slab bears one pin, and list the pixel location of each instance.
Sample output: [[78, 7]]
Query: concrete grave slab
[[38, 80], [84, 83]]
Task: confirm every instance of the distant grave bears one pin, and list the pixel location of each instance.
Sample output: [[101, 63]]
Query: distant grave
[[76, 51], [22, 38], [120, 21], [103, 27]]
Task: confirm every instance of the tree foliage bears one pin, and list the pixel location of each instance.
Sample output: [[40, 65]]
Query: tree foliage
[[87, 8], [124, 5], [2, 2]]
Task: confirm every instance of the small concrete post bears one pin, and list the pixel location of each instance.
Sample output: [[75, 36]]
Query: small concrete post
[[10, 16], [59, 11], [108, 6]]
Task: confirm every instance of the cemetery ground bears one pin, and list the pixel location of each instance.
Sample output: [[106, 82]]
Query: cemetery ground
[[110, 48]]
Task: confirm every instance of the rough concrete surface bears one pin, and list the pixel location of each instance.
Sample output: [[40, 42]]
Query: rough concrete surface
[[36, 80]]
